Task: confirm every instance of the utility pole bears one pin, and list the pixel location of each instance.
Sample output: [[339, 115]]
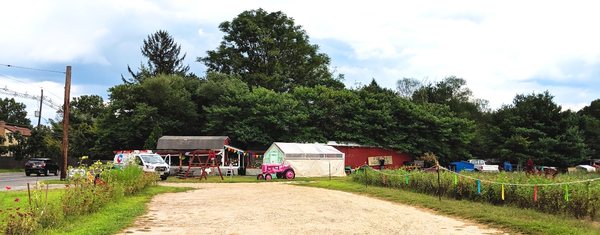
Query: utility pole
[[66, 108], [40, 114]]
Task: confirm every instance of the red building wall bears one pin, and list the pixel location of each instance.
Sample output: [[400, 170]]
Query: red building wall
[[356, 156]]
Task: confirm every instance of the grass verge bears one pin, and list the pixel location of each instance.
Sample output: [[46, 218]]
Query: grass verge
[[113, 217], [503, 217], [10, 170], [55, 181], [13, 199]]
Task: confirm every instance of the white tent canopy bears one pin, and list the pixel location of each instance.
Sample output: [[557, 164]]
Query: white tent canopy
[[309, 151], [307, 160]]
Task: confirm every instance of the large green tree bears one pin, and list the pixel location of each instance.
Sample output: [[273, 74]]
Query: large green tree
[[592, 110], [13, 112], [139, 114], [330, 113], [252, 118], [46, 141], [269, 50], [590, 124], [85, 111], [164, 57], [451, 91], [454, 93], [534, 127]]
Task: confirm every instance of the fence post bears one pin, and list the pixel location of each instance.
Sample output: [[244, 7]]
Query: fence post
[[29, 194], [366, 177], [439, 184], [329, 169]]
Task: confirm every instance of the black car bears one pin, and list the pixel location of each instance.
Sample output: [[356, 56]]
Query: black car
[[41, 166]]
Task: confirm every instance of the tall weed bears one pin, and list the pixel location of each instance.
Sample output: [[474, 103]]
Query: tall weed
[[583, 198], [86, 192]]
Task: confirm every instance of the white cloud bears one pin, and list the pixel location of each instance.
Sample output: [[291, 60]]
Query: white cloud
[[53, 92], [498, 47]]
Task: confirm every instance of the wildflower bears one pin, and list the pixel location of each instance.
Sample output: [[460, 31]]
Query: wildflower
[[17, 199], [7, 187]]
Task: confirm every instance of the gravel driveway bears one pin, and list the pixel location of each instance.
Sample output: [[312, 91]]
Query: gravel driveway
[[280, 208]]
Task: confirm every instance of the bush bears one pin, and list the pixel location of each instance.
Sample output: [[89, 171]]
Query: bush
[[86, 192]]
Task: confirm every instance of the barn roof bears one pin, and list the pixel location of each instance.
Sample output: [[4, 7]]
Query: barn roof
[[298, 148], [191, 142]]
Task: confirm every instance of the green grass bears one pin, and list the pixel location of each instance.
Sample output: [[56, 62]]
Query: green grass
[[57, 181], [507, 218], [10, 170], [114, 217], [7, 199]]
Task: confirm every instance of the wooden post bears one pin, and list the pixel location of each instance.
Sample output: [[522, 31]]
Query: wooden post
[[40, 117], [439, 184], [329, 169], [66, 109], [29, 194], [366, 177]]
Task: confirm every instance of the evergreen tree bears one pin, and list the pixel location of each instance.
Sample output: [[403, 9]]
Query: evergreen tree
[[163, 58]]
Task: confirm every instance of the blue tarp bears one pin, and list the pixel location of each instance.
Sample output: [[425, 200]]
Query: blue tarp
[[507, 166], [461, 166]]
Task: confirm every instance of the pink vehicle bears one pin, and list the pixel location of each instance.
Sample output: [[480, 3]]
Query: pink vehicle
[[280, 171]]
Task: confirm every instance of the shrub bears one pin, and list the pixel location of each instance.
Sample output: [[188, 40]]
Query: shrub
[[583, 198], [86, 192]]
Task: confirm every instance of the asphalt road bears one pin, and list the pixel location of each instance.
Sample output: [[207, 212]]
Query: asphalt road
[[18, 180]]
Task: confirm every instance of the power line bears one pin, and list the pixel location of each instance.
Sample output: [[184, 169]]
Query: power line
[[16, 80], [10, 78], [35, 69], [55, 96], [48, 102]]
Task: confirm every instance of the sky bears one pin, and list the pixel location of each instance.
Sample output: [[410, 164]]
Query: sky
[[501, 48]]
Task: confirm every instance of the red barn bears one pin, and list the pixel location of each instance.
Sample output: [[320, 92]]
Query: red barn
[[357, 155]]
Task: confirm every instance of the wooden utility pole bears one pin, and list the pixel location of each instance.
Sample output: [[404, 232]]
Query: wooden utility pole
[[40, 114], [66, 108]]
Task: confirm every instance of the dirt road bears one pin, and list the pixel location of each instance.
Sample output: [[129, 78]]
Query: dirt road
[[279, 208]]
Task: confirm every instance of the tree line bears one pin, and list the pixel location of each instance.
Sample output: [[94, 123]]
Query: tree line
[[266, 82]]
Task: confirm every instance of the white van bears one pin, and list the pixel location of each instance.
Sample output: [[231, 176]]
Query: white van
[[150, 162]]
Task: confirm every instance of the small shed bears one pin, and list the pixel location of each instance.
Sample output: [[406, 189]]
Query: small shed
[[357, 155], [462, 166], [307, 160]]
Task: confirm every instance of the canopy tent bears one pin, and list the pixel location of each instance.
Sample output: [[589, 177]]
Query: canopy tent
[[307, 160]]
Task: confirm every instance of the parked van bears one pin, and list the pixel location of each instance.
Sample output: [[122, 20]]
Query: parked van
[[150, 162]]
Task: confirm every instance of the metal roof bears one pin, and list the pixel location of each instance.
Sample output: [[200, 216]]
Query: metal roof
[[297, 148], [191, 142], [345, 144]]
